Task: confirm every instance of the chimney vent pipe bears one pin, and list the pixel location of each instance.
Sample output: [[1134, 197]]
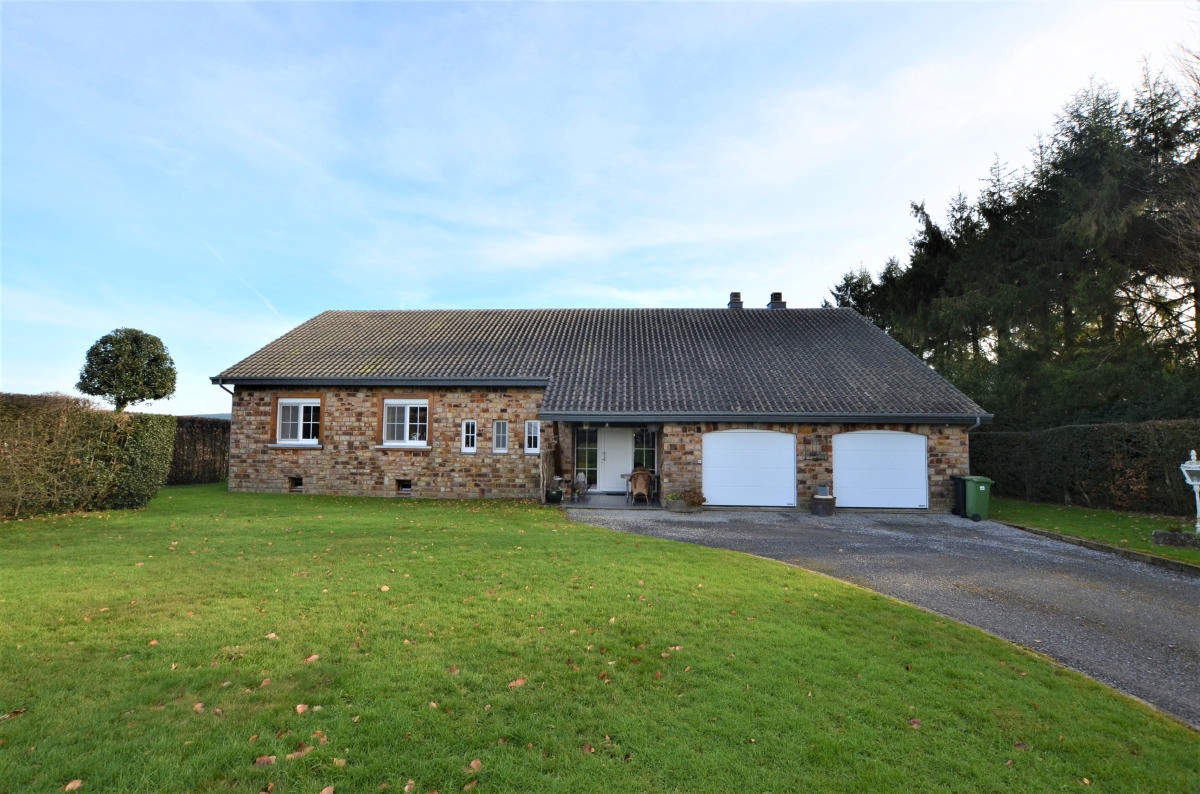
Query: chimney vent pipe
[[735, 300], [777, 301]]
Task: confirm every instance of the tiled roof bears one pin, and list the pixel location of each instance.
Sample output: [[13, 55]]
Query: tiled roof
[[641, 363]]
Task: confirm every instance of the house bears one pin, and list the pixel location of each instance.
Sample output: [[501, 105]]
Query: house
[[755, 407]]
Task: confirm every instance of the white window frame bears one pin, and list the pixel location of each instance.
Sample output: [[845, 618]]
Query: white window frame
[[533, 436], [470, 435], [410, 426], [500, 436], [303, 406]]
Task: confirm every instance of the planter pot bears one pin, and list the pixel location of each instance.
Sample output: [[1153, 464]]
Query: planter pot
[[554, 497], [680, 506], [823, 505]]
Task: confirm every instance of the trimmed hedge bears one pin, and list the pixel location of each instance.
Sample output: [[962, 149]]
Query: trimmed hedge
[[58, 454], [142, 444], [1132, 467], [201, 451]]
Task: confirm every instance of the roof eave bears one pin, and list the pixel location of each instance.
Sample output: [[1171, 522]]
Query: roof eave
[[635, 417], [277, 382]]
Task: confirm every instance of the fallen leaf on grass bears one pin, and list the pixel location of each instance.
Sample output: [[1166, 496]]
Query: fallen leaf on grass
[[327, 789], [410, 787], [471, 785], [1020, 745], [475, 765], [74, 785], [587, 748], [13, 713], [198, 708], [264, 760], [339, 762], [313, 658], [301, 708], [272, 636], [516, 683], [915, 724], [384, 589], [304, 750]]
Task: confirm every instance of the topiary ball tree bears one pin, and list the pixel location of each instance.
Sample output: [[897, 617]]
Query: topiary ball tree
[[127, 367]]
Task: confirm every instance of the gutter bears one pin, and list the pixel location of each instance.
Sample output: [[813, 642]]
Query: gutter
[[219, 380], [640, 417]]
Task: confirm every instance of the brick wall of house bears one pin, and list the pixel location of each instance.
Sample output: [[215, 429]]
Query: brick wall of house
[[682, 445], [350, 460]]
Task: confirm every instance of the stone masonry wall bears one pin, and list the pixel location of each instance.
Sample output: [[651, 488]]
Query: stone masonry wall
[[350, 459], [947, 450]]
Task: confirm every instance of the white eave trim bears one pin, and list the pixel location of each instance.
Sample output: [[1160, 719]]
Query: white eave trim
[[972, 420]]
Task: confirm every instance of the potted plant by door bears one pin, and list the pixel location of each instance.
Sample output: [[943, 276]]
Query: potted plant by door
[[688, 501], [554, 495]]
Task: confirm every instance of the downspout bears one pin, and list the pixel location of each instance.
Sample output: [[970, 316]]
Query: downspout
[[222, 387]]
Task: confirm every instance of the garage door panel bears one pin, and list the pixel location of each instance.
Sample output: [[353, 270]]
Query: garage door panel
[[750, 468], [880, 469]]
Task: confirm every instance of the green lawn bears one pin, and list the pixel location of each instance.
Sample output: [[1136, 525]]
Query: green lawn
[[1120, 530], [237, 643]]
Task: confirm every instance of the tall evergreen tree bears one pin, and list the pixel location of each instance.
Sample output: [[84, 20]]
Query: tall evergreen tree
[[1069, 291]]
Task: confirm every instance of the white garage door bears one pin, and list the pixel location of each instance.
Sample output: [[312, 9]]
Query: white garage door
[[880, 468], [750, 468]]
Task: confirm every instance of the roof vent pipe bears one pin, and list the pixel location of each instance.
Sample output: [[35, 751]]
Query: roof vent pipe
[[777, 301], [735, 300]]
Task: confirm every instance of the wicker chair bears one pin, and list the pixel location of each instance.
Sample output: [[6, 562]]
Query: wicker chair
[[641, 482]]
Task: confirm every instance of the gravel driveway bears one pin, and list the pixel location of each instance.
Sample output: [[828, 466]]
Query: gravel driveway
[[1131, 625]]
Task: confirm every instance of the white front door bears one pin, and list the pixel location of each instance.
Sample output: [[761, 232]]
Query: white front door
[[614, 457]]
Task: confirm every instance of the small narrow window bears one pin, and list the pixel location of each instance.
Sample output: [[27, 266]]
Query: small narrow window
[[404, 487], [533, 437], [469, 435], [295, 484], [406, 423], [500, 436], [299, 422]]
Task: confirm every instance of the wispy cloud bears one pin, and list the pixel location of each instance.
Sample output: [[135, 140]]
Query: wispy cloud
[[236, 276], [216, 173]]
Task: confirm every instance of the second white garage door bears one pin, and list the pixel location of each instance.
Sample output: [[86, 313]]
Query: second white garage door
[[750, 468], [880, 468]]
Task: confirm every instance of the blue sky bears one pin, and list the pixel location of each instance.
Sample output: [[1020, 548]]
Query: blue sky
[[217, 173]]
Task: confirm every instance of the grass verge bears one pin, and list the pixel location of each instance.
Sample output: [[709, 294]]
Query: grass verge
[[217, 642], [1120, 530]]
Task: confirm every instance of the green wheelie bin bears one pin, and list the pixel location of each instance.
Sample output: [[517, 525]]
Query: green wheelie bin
[[977, 497]]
